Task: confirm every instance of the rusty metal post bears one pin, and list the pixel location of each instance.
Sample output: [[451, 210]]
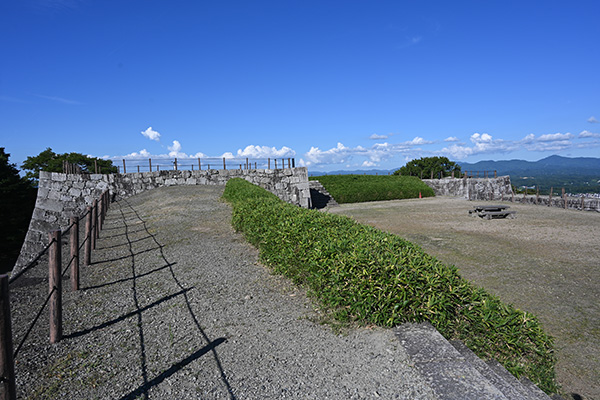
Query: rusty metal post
[[55, 286], [7, 364]]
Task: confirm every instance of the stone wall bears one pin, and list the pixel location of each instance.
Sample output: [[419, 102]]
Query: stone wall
[[61, 196], [472, 188], [500, 189]]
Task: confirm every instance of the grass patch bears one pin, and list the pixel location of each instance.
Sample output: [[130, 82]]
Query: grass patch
[[361, 188], [368, 276]]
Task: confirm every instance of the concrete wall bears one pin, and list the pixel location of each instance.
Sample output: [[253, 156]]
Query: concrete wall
[[472, 188], [61, 196]]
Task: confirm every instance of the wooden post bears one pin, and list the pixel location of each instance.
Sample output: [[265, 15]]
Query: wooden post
[[255, 165], [158, 168], [293, 163], [550, 197], [138, 168], [495, 174], [96, 166], [192, 167], [224, 165], [150, 164], [87, 252], [100, 212], [7, 364], [564, 196], [124, 167], [268, 163], [452, 174], [74, 242], [247, 164], [275, 162], [537, 195], [199, 164], [582, 203], [289, 163], [55, 286], [94, 223], [175, 163]]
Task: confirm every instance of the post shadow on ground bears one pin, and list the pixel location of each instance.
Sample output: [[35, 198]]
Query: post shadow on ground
[[190, 310], [127, 279], [126, 316], [143, 389], [122, 244]]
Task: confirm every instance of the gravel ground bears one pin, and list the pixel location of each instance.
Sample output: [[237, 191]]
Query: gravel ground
[[176, 306], [545, 261]]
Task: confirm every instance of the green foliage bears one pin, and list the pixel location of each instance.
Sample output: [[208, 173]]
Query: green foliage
[[17, 200], [367, 276], [49, 161], [361, 188], [424, 167]]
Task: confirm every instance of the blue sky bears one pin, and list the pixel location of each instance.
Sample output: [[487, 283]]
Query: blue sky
[[335, 84]]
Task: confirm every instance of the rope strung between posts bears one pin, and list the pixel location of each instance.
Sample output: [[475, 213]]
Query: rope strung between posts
[[34, 322], [31, 264]]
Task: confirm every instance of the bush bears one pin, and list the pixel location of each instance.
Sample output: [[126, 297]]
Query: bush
[[361, 188], [371, 277]]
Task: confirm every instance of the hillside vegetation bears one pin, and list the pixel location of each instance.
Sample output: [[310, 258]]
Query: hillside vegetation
[[367, 276], [361, 188]]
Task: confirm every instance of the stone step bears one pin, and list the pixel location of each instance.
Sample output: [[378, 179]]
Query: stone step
[[455, 372], [320, 197]]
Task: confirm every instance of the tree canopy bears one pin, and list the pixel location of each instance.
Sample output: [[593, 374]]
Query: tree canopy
[[17, 200], [425, 166], [49, 161]]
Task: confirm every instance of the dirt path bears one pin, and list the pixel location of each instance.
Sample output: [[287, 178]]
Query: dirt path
[[176, 306], [546, 261]]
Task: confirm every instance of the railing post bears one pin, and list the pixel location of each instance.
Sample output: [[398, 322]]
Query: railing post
[[7, 364], [55, 286], [100, 212], [224, 165], [199, 164], [87, 252], [96, 166], [247, 167], [124, 167], [94, 223], [275, 162], [269, 163], [293, 163], [564, 196], [74, 242], [150, 164]]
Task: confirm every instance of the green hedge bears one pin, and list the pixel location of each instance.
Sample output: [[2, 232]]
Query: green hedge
[[365, 275], [361, 188]]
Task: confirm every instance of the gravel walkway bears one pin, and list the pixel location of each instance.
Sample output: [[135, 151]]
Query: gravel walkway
[[176, 306]]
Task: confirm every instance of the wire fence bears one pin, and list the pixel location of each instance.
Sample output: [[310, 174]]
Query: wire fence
[[57, 269]]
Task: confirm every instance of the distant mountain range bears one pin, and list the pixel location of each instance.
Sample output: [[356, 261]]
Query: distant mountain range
[[576, 175]]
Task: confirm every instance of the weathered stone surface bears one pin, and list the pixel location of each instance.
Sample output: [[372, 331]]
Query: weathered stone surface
[[63, 195]]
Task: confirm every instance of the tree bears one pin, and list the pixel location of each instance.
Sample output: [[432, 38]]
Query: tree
[[424, 167], [17, 200], [49, 161]]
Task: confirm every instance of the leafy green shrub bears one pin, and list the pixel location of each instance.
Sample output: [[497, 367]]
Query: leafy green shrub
[[361, 188], [365, 275]]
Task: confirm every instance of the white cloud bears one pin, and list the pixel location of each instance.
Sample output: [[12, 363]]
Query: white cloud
[[593, 120], [555, 137], [253, 151], [378, 137], [151, 134], [451, 139], [361, 156], [588, 134]]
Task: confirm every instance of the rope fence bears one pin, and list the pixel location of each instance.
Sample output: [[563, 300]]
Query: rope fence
[[94, 217]]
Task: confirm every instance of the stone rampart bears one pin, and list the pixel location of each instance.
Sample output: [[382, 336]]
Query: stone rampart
[[472, 188], [61, 196]]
